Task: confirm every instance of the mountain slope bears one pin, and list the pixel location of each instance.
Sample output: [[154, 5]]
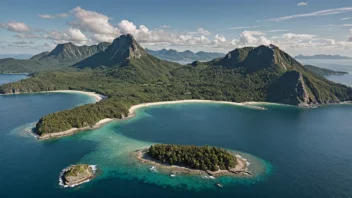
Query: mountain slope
[[185, 56], [278, 82]]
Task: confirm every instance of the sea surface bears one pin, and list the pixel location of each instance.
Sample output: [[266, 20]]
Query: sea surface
[[294, 152]]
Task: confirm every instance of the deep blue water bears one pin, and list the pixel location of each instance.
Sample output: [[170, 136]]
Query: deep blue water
[[309, 150]]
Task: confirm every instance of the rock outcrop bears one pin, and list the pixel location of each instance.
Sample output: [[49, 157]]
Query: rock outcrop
[[291, 89], [77, 174]]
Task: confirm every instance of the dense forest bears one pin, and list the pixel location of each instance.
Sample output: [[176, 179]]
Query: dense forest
[[128, 76], [196, 157]]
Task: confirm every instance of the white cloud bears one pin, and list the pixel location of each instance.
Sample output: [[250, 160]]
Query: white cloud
[[302, 4], [165, 26], [312, 14], [292, 36], [273, 31], [48, 16], [94, 23], [246, 27], [15, 27], [343, 19], [248, 38], [200, 31]]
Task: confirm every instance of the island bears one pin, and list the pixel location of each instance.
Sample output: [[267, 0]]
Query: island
[[176, 159], [128, 75], [77, 174]]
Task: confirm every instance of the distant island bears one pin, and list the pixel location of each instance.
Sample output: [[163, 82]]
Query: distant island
[[323, 71], [185, 56], [323, 56], [77, 174], [190, 159]]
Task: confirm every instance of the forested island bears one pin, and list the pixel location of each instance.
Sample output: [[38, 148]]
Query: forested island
[[195, 157], [125, 73], [77, 174]]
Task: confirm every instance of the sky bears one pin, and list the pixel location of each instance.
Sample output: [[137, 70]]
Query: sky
[[298, 27]]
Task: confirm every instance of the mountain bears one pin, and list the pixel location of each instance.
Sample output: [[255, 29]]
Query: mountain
[[185, 56], [16, 56], [131, 60], [128, 75], [323, 56], [70, 53], [323, 71], [63, 55], [289, 81]]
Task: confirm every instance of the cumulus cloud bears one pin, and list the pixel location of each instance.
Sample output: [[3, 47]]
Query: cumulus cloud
[[69, 35], [15, 27], [291, 36], [48, 16], [312, 14], [248, 38], [95, 23], [302, 4]]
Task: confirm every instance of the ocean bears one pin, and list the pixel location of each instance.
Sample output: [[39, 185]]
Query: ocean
[[294, 152]]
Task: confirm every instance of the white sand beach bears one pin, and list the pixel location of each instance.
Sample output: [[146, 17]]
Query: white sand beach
[[249, 104], [96, 96]]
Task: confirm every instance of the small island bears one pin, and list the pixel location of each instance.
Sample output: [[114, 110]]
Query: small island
[[77, 174], [188, 159]]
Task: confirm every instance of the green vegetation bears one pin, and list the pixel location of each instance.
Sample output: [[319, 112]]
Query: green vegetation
[[323, 71], [128, 76], [196, 157], [78, 169]]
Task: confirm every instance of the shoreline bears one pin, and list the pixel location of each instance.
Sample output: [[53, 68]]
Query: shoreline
[[132, 110], [74, 130], [241, 168], [61, 182], [96, 96]]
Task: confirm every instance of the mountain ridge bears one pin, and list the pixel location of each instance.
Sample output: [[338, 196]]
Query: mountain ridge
[[184, 56]]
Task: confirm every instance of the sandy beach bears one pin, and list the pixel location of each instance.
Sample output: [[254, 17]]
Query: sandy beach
[[96, 96], [241, 168], [249, 104]]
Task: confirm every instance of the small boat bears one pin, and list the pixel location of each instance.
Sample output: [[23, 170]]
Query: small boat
[[219, 185], [153, 169], [212, 177], [172, 175]]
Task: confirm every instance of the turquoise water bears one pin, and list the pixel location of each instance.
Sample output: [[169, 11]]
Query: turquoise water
[[294, 152]]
